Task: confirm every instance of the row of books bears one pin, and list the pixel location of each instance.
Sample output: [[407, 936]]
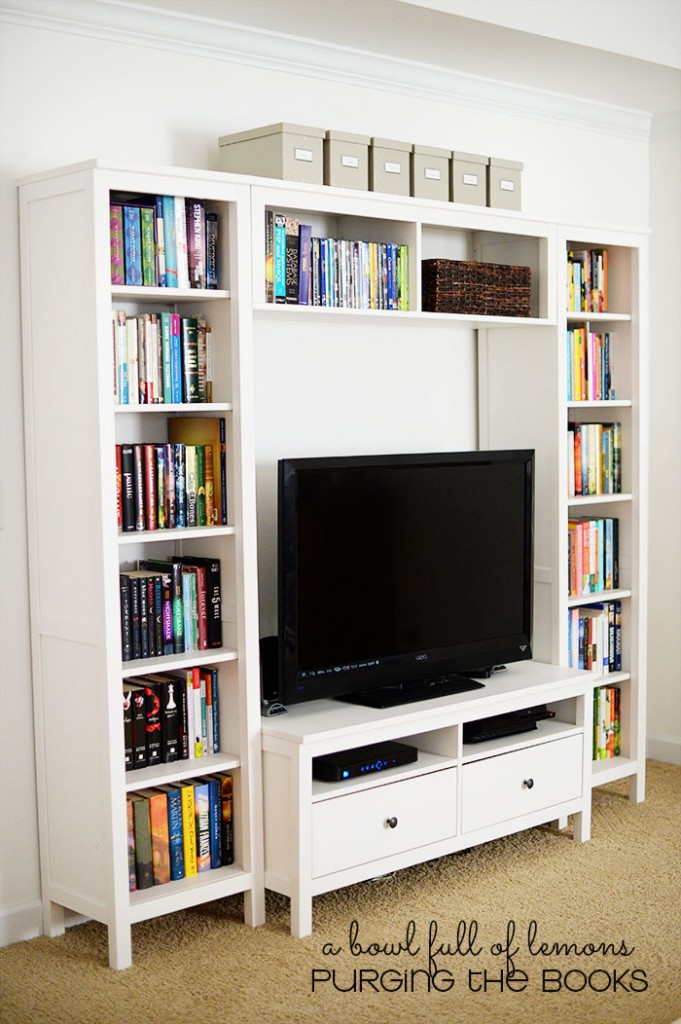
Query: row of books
[[594, 458], [306, 270], [606, 730], [589, 365], [595, 637], [587, 281], [161, 358], [162, 241], [170, 607], [172, 485], [593, 555], [180, 829], [170, 716]]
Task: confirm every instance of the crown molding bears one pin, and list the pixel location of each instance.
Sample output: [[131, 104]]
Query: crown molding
[[137, 24]]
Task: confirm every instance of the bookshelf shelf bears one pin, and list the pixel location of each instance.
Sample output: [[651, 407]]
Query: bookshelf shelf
[[185, 533], [143, 778], [175, 408], [168, 296]]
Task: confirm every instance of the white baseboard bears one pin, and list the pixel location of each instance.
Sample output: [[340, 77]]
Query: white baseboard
[[17, 924], [664, 748]]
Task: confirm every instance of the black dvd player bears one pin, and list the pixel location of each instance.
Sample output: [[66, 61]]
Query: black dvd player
[[508, 724], [349, 764]]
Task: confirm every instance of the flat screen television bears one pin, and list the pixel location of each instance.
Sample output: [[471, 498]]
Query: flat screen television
[[401, 577]]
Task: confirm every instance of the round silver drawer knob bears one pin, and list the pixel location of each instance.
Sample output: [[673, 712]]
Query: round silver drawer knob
[[391, 822], [528, 783]]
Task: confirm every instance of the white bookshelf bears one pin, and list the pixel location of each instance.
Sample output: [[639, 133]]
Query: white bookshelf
[[519, 365], [76, 551], [524, 400]]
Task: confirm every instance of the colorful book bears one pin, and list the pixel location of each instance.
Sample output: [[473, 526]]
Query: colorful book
[[202, 816], [196, 242], [211, 249], [132, 238], [175, 834], [188, 827], [144, 867], [117, 243], [160, 838]]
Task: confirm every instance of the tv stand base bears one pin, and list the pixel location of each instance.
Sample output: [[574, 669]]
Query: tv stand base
[[321, 836]]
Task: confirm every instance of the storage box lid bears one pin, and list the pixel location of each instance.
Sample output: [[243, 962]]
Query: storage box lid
[[500, 161], [431, 151], [335, 136], [390, 144], [470, 158], [283, 128]]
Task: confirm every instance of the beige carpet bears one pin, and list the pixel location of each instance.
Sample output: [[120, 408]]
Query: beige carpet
[[621, 892]]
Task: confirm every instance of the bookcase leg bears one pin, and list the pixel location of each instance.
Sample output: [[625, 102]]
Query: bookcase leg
[[301, 916], [120, 948], [53, 919], [637, 787], [560, 823], [581, 825], [254, 907]]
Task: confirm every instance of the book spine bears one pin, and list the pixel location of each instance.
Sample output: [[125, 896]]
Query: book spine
[[175, 837], [304, 264], [160, 844], [189, 829], [160, 242], [143, 852], [133, 245], [279, 258], [117, 243], [167, 387], [190, 359], [148, 245], [175, 358], [132, 874], [181, 242], [196, 242], [211, 250], [170, 241], [227, 837], [202, 812]]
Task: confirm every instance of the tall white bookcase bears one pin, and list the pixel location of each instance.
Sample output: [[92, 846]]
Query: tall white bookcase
[[76, 550], [523, 393]]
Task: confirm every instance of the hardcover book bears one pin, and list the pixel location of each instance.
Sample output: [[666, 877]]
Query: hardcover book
[[117, 243], [132, 235], [160, 840], [144, 868], [196, 242]]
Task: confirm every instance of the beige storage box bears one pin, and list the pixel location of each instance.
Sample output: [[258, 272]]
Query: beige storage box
[[504, 183], [469, 178], [289, 151], [430, 172], [389, 167], [346, 160]]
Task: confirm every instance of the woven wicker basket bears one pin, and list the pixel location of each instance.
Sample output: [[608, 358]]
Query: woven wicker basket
[[487, 289]]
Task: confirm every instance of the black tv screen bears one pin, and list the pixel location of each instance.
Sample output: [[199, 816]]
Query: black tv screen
[[401, 569]]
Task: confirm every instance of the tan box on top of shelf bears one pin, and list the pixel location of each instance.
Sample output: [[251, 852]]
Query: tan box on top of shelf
[[346, 160], [504, 183], [389, 167], [292, 152], [430, 172], [469, 178]]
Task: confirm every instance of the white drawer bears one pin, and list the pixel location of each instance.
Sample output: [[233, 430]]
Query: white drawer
[[511, 785], [384, 820]]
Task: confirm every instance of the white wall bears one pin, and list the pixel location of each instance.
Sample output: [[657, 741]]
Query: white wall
[[69, 96]]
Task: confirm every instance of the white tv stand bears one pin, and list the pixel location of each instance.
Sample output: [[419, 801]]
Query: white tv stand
[[321, 836]]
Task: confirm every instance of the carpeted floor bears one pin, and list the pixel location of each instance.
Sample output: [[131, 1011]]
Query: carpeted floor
[[620, 893]]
